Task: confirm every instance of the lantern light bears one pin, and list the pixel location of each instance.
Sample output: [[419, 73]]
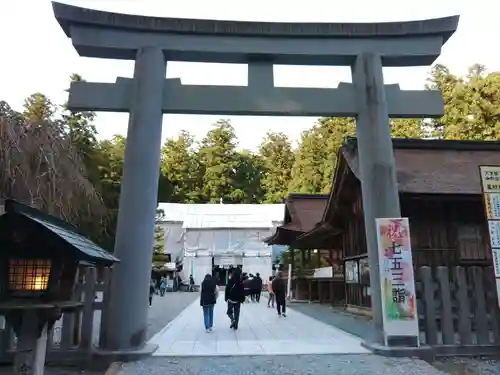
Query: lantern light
[[29, 274]]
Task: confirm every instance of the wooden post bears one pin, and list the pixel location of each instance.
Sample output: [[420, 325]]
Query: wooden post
[[480, 312], [332, 297], [105, 307], [320, 297], [447, 329], [309, 285], [68, 320], [31, 345], [88, 309], [430, 324], [464, 310]]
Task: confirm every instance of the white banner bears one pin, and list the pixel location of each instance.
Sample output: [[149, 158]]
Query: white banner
[[490, 184], [399, 301], [494, 228]]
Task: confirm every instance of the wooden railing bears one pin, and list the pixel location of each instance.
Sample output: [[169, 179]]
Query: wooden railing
[[458, 309], [74, 336]]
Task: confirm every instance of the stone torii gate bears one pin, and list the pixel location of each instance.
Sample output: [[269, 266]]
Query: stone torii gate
[[151, 42]]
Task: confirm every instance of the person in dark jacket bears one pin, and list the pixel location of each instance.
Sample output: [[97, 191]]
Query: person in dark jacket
[[208, 299], [191, 284], [279, 290], [247, 285], [152, 291], [257, 287], [252, 287], [234, 296]]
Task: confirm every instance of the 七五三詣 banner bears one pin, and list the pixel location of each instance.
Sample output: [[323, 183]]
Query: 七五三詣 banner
[[399, 301]]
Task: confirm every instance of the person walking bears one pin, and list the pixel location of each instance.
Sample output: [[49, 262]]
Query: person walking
[[208, 298], [234, 296], [258, 287], [246, 286], [163, 286], [250, 284], [191, 284], [270, 298], [279, 290], [152, 291]]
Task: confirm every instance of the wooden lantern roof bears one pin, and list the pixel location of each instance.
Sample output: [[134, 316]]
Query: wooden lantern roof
[[34, 228]]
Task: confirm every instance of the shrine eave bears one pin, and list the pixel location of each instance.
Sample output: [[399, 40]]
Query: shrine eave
[[282, 237], [320, 237]]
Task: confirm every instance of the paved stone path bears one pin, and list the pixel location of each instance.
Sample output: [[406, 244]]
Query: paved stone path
[[261, 332], [357, 325], [167, 308]]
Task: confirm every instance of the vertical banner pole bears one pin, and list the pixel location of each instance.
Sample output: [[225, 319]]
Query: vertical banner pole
[[289, 283]]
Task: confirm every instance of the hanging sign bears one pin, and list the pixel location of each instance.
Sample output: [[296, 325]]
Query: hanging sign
[[492, 205], [494, 231], [490, 186], [351, 272], [399, 301], [490, 178]]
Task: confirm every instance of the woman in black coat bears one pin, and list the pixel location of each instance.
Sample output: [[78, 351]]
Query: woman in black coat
[[234, 296], [208, 299]]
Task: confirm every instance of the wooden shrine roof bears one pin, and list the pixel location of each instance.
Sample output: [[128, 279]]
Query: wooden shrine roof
[[434, 166], [302, 213], [423, 167]]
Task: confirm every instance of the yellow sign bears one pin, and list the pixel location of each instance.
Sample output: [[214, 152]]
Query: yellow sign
[[492, 205], [490, 179]]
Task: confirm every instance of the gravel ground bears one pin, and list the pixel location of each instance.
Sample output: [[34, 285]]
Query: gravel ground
[[165, 309], [162, 312], [469, 366], [281, 365], [362, 327]]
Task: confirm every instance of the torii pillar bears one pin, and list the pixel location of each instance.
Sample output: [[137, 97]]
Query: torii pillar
[[138, 202], [377, 166]]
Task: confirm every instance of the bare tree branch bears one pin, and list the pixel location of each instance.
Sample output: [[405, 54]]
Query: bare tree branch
[[40, 167]]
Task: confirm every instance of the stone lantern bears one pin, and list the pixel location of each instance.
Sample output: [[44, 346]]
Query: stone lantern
[[39, 259]]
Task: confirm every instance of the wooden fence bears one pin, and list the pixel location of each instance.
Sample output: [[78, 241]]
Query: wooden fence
[[329, 290], [458, 307], [458, 310], [73, 337]]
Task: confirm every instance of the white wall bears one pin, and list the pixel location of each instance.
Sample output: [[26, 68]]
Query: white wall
[[226, 241], [262, 265], [205, 243], [197, 266], [174, 239]]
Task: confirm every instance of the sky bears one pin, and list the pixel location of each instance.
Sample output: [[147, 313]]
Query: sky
[[36, 55]]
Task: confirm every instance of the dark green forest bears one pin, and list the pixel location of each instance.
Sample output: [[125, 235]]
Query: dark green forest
[[51, 157]]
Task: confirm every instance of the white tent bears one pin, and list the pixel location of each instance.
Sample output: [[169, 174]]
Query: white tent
[[202, 235]]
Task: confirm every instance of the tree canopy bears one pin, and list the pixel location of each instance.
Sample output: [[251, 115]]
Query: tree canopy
[[52, 158]]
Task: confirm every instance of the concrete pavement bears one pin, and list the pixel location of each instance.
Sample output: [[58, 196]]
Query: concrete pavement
[[261, 332]]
